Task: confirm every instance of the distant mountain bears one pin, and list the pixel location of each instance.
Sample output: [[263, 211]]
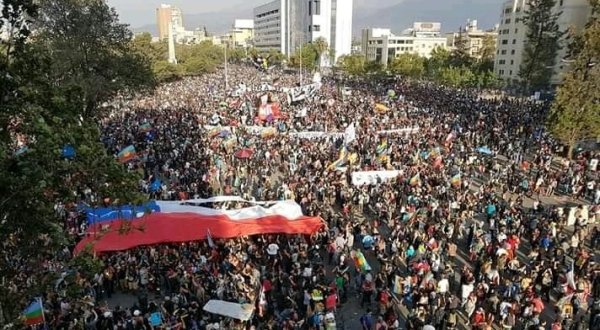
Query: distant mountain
[[371, 13], [215, 22], [451, 13]]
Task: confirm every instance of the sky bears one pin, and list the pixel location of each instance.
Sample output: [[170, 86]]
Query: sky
[[142, 12]]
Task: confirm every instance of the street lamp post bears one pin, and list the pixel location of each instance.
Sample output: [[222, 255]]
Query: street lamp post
[[226, 74]]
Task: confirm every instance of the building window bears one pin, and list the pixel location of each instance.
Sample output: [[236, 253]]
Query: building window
[[317, 7], [514, 41], [510, 72], [507, 10], [507, 21], [503, 52], [505, 42], [512, 62], [502, 62], [560, 3], [501, 72], [516, 31], [512, 52], [316, 28], [309, 7]]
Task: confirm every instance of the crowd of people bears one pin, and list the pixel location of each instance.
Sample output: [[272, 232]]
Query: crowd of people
[[470, 232]]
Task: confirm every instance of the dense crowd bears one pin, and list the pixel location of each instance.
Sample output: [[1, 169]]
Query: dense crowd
[[464, 234]]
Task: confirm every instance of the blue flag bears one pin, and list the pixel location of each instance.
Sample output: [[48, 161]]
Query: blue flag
[[155, 185], [68, 151]]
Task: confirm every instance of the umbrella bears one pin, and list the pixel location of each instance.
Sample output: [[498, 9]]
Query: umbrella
[[484, 150], [244, 153]]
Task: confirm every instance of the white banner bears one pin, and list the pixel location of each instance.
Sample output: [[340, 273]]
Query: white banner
[[314, 135], [407, 130], [300, 93], [373, 177], [350, 134]]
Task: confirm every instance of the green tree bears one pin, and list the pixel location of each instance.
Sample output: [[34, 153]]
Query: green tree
[[90, 51], [461, 54], [321, 47], [541, 46], [440, 58], [44, 114], [457, 77], [486, 54], [409, 65], [575, 114], [352, 64], [309, 55]]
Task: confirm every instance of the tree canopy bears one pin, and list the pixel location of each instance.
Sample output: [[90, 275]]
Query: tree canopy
[[575, 114], [541, 46], [51, 85]]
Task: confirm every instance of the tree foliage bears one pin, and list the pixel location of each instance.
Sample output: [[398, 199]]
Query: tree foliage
[[306, 56], [461, 54], [575, 113], [408, 65], [90, 51], [541, 46], [43, 109], [352, 64]]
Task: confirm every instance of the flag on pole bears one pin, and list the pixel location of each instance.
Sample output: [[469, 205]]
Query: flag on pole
[[415, 180], [455, 181], [34, 314], [382, 147], [341, 161], [211, 243], [145, 127], [127, 154], [262, 301], [350, 134]]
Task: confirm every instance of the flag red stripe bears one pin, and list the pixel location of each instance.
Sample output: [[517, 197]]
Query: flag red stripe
[[160, 228]]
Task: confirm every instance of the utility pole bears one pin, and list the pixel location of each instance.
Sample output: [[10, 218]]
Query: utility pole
[[226, 74], [301, 63]]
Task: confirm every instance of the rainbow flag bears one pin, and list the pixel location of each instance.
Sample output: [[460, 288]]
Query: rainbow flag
[[127, 154], [381, 108], [34, 314], [382, 147], [415, 180], [455, 181], [146, 127], [341, 161], [361, 262]]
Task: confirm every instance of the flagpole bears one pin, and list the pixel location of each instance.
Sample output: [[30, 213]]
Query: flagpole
[[42, 306]]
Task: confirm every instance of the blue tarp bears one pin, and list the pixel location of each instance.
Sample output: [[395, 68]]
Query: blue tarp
[[484, 150], [127, 212]]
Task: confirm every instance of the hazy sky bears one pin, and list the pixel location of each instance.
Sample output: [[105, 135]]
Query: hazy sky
[[141, 12]]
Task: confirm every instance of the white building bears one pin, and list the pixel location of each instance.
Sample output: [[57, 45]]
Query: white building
[[286, 24], [474, 37], [512, 36], [242, 33], [382, 46]]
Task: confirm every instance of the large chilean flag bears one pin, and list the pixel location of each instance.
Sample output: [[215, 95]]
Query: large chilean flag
[[184, 221]]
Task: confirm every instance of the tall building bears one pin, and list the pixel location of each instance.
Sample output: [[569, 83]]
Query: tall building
[[381, 45], [512, 36], [474, 38], [165, 15], [242, 33], [285, 25]]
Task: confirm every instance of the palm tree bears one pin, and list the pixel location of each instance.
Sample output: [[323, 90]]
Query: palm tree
[[321, 47]]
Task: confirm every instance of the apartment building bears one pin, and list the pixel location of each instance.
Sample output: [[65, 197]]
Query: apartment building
[[512, 36], [286, 24], [382, 46]]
